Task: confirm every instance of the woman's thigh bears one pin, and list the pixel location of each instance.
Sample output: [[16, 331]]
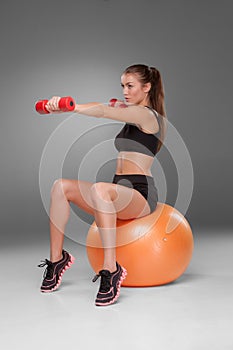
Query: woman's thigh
[[136, 207], [128, 203]]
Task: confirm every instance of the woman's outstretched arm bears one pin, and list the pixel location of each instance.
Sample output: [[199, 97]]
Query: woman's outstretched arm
[[134, 114]]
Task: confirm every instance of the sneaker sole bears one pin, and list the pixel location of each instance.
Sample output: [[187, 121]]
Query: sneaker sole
[[66, 267], [123, 276]]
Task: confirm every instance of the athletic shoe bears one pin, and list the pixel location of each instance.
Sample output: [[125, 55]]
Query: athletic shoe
[[54, 271], [110, 284]]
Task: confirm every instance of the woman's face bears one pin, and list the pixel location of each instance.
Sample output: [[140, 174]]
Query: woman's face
[[134, 92]]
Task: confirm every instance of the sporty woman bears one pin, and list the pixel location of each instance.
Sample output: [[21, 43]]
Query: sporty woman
[[132, 193]]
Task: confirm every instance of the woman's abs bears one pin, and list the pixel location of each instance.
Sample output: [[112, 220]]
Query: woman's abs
[[133, 163]]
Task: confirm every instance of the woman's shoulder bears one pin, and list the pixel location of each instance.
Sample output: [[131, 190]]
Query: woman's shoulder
[[151, 125], [153, 111]]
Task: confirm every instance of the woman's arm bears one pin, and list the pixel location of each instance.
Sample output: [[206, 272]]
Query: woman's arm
[[135, 114]]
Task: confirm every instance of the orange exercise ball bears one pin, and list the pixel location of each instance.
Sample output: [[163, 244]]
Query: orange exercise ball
[[155, 249]]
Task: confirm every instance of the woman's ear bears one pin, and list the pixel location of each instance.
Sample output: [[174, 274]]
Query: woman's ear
[[147, 87]]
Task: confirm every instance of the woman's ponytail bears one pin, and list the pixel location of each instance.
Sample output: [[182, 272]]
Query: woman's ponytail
[[156, 93], [156, 97]]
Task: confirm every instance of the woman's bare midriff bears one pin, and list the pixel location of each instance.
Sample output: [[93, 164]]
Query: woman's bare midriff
[[133, 163]]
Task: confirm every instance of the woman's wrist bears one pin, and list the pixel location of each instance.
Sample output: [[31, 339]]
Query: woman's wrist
[[76, 108]]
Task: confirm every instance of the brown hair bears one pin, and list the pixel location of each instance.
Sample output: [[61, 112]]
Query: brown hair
[[151, 75]]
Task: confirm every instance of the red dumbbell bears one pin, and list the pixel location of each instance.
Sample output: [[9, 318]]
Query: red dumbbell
[[66, 104], [112, 102], [116, 103]]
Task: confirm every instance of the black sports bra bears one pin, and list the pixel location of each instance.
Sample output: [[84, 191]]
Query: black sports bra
[[132, 139]]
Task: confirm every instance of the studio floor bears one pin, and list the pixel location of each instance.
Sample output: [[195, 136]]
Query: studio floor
[[194, 312]]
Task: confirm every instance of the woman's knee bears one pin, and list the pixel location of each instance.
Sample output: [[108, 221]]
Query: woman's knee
[[100, 190], [58, 188]]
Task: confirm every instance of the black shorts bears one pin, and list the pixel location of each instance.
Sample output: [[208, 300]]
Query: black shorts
[[143, 184]]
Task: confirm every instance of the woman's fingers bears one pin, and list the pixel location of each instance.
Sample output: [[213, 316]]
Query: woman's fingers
[[53, 104]]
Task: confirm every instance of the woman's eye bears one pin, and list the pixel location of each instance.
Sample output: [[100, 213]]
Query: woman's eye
[[128, 86]]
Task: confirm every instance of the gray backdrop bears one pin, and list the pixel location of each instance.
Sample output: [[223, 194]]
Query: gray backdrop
[[80, 48]]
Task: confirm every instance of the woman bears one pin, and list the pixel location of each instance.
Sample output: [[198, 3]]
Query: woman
[[132, 193]]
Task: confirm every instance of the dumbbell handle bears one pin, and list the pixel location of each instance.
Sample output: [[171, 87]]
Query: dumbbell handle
[[66, 104]]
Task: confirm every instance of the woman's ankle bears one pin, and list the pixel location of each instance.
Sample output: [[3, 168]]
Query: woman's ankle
[[111, 268], [55, 257]]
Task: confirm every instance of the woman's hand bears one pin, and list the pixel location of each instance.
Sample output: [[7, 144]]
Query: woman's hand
[[53, 105]]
